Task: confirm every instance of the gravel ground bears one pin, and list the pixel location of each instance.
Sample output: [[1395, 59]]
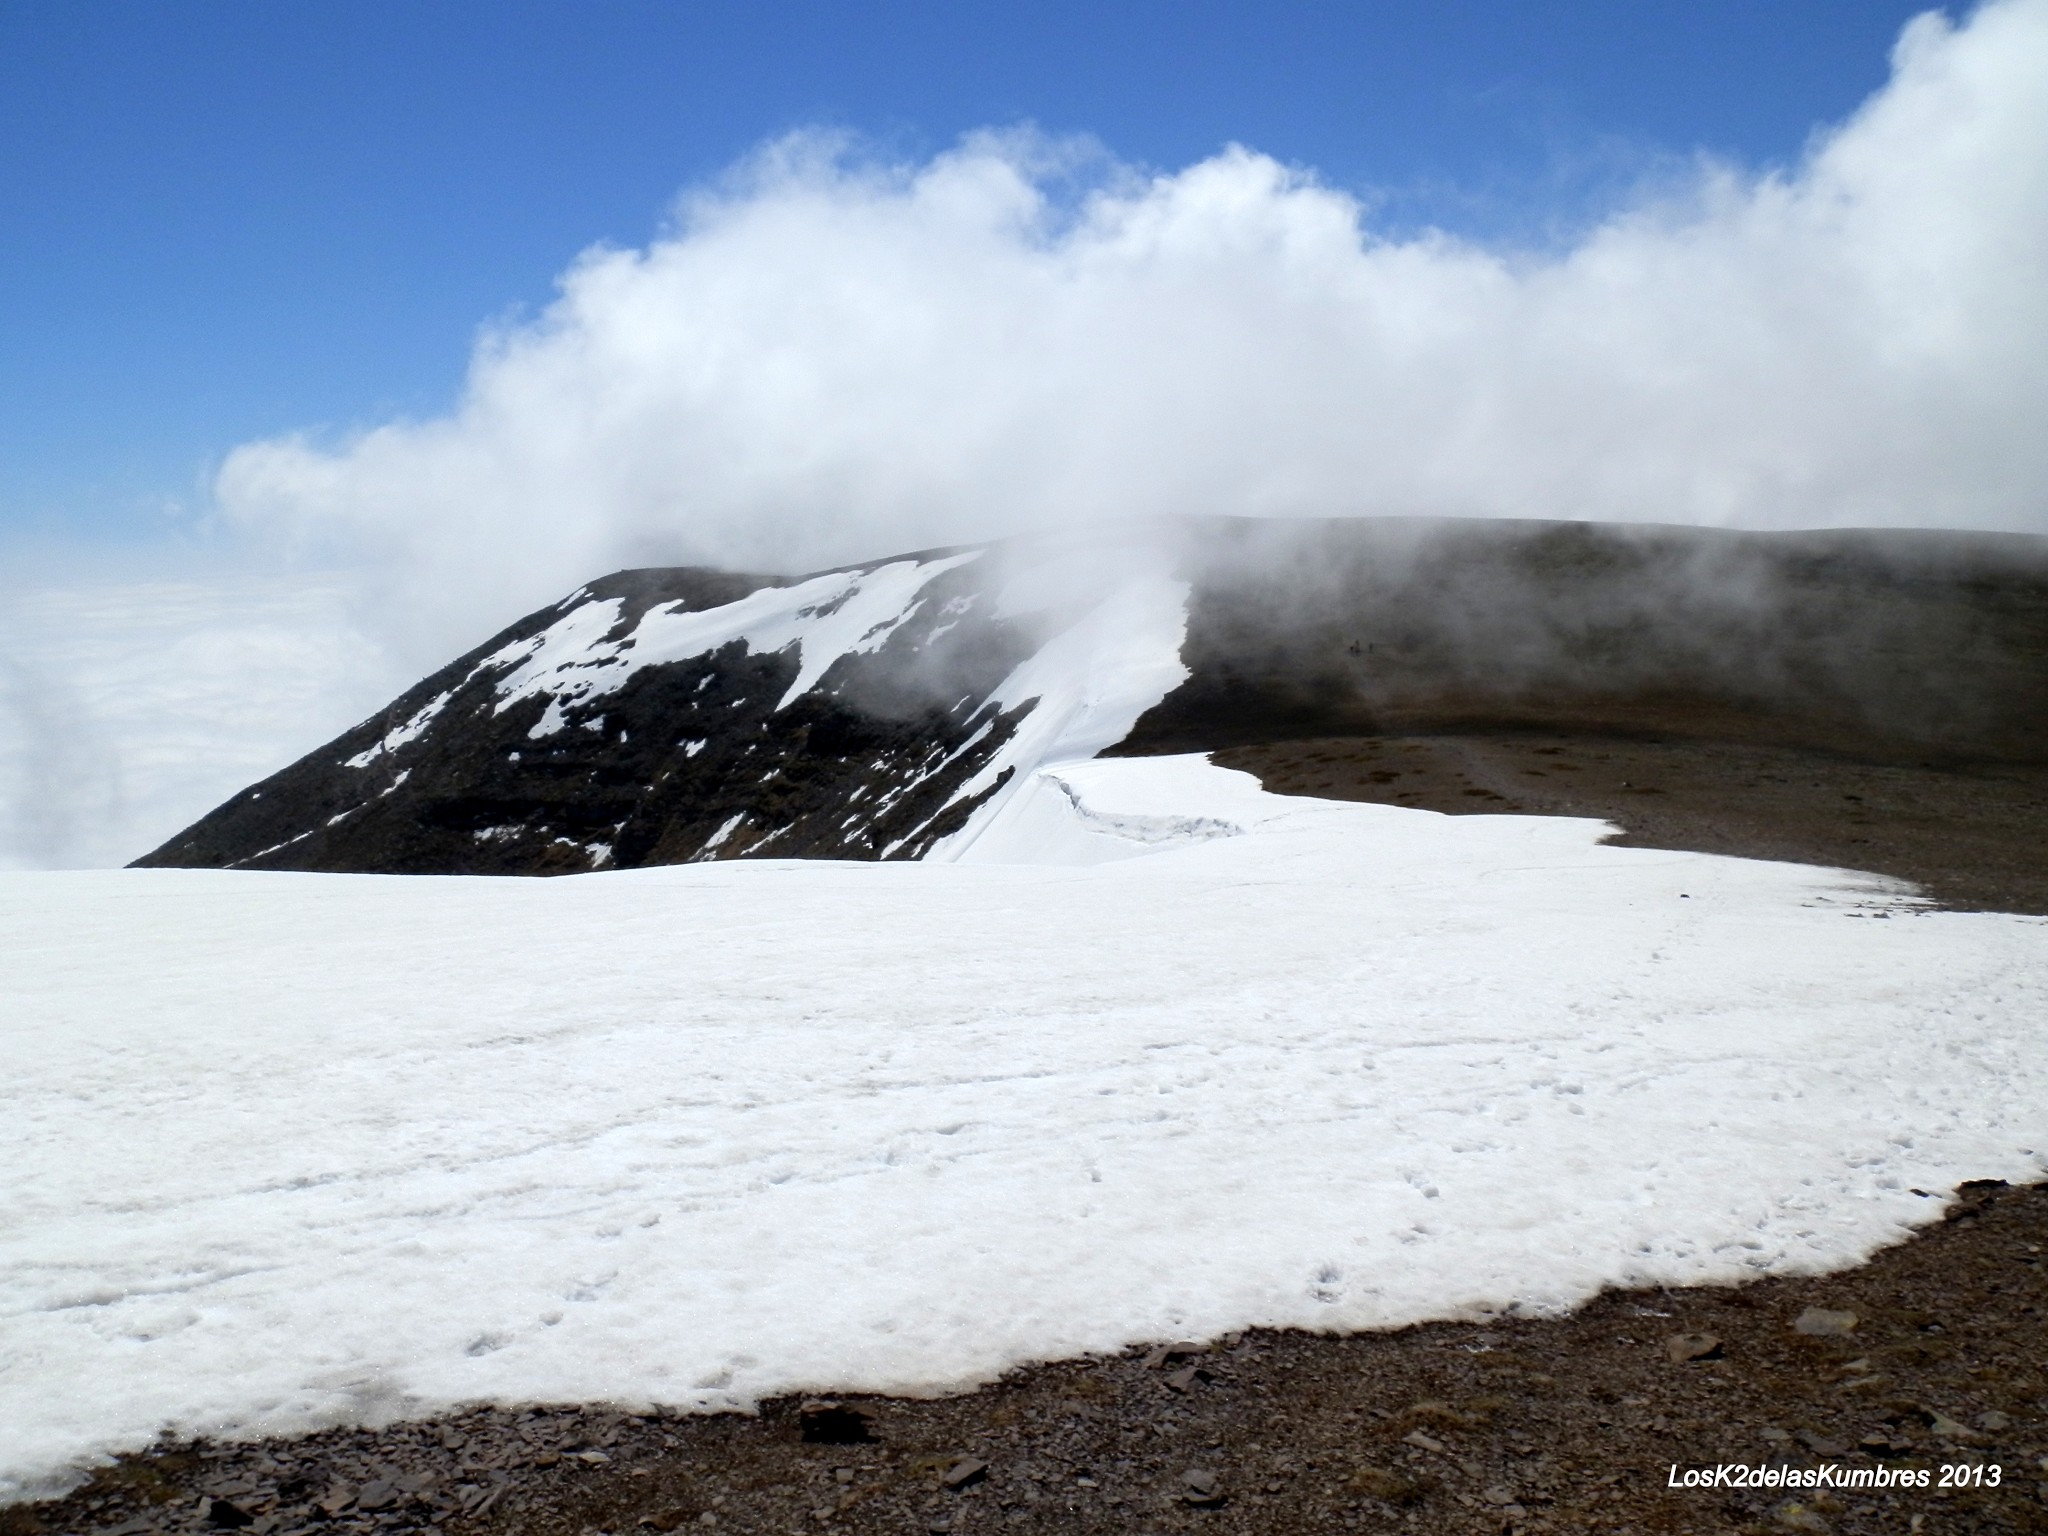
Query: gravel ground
[[1975, 835]]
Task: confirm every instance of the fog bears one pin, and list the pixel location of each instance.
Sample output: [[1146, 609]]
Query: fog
[[130, 708], [830, 356]]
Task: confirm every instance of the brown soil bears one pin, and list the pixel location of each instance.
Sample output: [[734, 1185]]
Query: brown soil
[[1974, 835], [1932, 1358]]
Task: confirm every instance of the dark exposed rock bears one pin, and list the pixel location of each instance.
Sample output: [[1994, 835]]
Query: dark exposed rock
[[668, 761], [1824, 1322], [1891, 646], [830, 1423], [964, 1473], [1682, 1347], [1891, 649]]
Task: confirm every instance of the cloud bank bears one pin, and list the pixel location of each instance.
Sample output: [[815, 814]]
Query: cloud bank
[[830, 359], [128, 710]]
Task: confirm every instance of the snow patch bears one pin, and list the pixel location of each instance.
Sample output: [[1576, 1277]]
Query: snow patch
[[717, 839], [1087, 686], [1302, 1064], [840, 613], [1089, 813], [398, 736]]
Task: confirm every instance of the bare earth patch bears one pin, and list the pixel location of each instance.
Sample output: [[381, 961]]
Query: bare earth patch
[[1975, 834]]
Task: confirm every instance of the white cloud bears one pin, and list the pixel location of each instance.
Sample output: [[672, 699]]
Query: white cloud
[[829, 359], [128, 710]]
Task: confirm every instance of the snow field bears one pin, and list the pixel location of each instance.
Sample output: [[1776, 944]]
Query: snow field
[[287, 1149]]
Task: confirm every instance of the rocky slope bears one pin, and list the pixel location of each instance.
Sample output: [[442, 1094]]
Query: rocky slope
[[1882, 645], [884, 710], [663, 716]]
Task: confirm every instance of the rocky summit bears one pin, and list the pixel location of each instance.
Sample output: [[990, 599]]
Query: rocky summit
[[663, 716], [885, 710]]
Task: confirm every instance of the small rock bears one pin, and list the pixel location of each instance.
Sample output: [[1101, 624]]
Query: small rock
[[1775, 1435], [1947, 1427], [1820, 1444], [1184, 1379], [1681, 1347], [1823, 1323], [229, 1516], [1201, 1488], [1994, 1421], [591, 1458], [1167, 1354], [964, 1473], [829, 1423], [1498, 1495], [1421, 1441], [376, 1495]]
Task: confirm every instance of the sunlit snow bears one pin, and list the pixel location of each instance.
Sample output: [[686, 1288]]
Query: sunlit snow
[[287, 1149], [837, 614]]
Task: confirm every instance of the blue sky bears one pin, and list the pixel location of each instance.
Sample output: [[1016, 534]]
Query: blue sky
[[229, 219]]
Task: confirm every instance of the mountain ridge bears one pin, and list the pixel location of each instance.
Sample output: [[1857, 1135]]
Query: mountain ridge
[[887, 709]]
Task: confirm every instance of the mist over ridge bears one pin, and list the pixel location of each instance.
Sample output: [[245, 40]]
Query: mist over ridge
[[832, 358], [829, 359], [923, 706]]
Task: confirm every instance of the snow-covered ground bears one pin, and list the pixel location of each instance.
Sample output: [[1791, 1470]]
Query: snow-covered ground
[[286, 1149]]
